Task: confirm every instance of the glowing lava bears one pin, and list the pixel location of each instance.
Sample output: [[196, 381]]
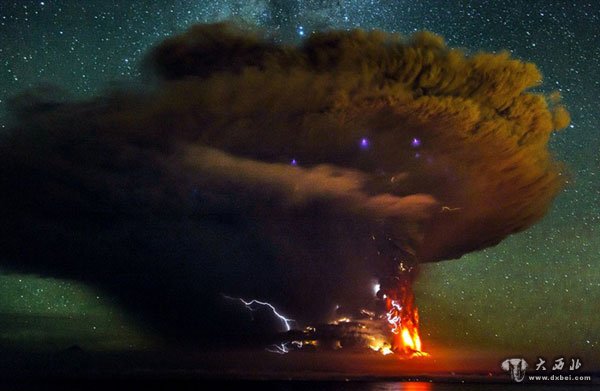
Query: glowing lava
[[403, 320], [381, 346]]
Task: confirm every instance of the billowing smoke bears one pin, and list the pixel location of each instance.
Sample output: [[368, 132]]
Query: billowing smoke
[[295, 174]]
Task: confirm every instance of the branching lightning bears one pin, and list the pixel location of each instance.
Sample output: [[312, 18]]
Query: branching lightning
[[285, 321], [278, 348], [394, 317]]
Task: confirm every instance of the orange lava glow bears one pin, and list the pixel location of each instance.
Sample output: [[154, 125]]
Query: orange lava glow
[[403, 320]]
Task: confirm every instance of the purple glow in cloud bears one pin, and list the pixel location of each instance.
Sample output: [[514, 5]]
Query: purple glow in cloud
[[364, 143], [415, 143]]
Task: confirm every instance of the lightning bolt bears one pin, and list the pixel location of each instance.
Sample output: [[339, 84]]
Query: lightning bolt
[[450, 209], [393, 316], [279, 349], [285, 321]]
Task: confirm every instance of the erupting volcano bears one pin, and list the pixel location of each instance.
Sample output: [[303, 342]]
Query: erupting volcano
[[403, 319], [396, 296], [254, 178]]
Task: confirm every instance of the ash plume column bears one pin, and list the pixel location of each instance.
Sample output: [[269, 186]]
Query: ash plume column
[[263, 171]]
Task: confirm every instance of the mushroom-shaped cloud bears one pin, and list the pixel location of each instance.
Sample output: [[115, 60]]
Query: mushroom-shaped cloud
[[289, 172]]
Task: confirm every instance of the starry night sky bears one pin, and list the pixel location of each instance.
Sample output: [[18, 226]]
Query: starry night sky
[[538, 287]]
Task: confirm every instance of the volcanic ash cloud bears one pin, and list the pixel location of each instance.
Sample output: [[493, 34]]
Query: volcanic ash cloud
[[291, 173]]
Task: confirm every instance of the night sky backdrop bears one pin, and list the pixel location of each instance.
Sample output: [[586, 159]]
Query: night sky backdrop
[[537, 288]]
